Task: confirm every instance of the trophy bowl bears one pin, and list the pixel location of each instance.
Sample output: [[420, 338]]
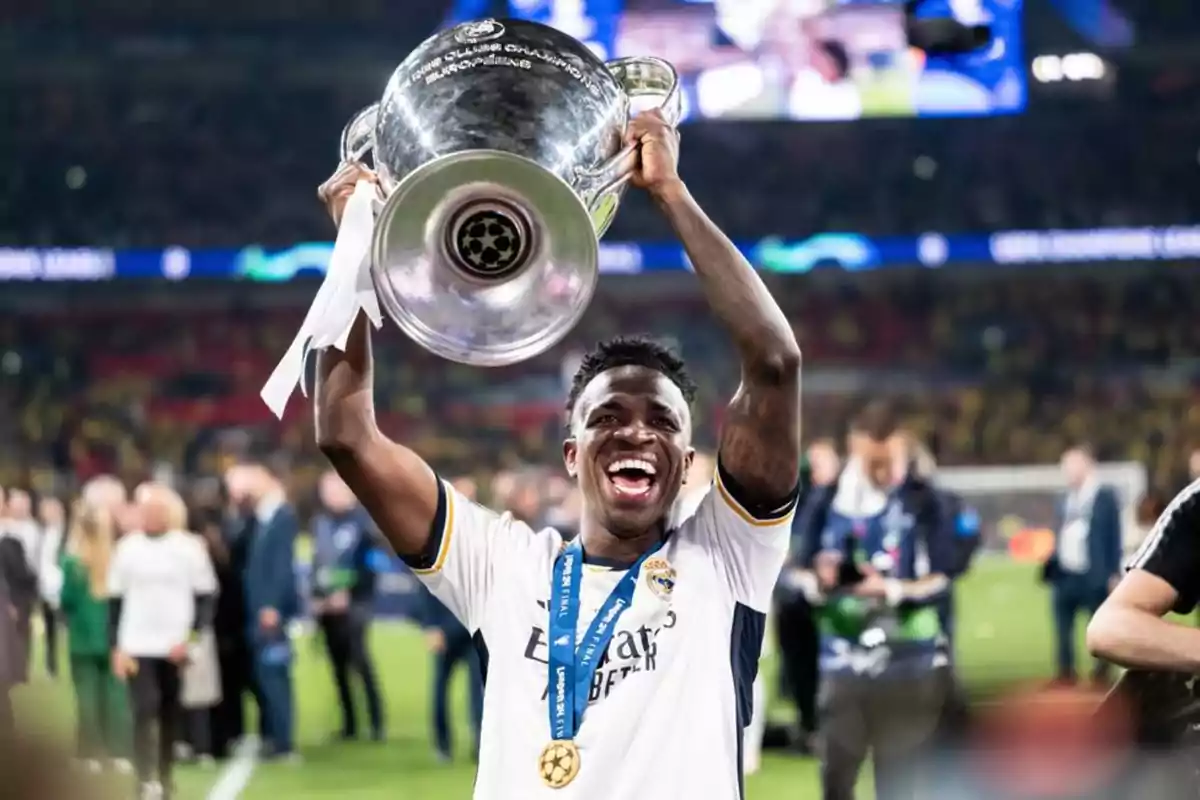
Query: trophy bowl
[[500, 154]]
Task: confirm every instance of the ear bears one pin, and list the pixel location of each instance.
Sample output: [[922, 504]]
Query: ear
[[688, 457], [570, 456]]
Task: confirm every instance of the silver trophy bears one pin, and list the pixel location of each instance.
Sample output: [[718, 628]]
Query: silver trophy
[[499, 148]]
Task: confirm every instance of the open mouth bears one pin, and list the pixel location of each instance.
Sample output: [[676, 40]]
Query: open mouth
[[632, 477]]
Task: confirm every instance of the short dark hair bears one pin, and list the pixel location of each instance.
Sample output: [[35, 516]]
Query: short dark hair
[[630, 351], [876, 420], [838, 54]]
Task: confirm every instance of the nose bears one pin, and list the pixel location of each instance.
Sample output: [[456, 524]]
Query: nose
[[636, 433]]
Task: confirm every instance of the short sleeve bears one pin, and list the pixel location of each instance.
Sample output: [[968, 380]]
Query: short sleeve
[[203, 576], [459, 563], [749, 548], [1172, 548]]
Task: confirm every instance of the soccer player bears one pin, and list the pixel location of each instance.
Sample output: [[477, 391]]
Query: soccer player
[[1130, 628], [619, 664]]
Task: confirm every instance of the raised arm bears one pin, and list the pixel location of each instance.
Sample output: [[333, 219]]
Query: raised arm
[[759, 450], [393, 483]]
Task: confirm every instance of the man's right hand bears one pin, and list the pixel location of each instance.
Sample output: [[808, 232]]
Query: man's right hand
[[268, 619], [336, 191], [435, 640], [338, 602], [123, 665]]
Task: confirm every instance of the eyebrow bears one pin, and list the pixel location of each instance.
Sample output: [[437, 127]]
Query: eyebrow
[[613, 404], [660, 406]]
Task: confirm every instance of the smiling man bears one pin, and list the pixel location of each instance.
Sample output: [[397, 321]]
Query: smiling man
[[620, 664]]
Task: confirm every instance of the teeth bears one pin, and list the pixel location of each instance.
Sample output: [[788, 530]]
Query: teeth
[[631, 463]]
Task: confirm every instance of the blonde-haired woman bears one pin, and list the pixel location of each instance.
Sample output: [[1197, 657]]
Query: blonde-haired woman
[[102, 712]]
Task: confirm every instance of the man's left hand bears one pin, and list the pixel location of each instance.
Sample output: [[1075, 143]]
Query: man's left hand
[[872, 585], [178, 654], [658, 145], [268, 619]]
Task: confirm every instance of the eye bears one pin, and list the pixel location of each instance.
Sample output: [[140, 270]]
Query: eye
[[603, 420], [665, 424]]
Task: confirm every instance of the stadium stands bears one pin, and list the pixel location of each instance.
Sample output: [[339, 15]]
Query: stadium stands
[[1007, 374], [135, 180]]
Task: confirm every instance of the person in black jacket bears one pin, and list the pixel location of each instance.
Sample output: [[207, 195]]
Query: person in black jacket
[[795, 622], [960, 520], [271, 599], [343, 597], [880, 557], [21, 595], [227, 533], [18, 592], [451, 644], [1086, 563]]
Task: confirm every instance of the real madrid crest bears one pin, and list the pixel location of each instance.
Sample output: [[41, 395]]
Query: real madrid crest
[[483, 30], [559, 763], [660, 576]]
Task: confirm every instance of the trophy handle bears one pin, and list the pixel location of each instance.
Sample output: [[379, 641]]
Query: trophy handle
[[639, 76], [358, 137]]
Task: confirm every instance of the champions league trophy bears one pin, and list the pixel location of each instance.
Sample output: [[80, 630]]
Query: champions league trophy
[[499, 151]]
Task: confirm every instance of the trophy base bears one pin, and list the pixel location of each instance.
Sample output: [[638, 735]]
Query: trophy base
[[484, 257], [489, 240]]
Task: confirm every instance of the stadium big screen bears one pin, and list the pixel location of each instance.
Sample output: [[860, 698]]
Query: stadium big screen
[[797, 59]]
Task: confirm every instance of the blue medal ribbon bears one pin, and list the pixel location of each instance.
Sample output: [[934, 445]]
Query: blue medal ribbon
[[572, 667]]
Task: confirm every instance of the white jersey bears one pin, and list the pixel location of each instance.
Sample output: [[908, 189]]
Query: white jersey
[[672, 694], [157, 579]]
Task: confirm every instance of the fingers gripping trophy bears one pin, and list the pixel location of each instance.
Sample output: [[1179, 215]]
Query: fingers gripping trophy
[[484, 178]]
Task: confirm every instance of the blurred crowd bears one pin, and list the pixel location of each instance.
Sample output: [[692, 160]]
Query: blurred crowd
[[996, 372], [125, 164]]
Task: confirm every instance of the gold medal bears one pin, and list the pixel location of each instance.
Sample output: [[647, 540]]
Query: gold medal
[[559, 763]]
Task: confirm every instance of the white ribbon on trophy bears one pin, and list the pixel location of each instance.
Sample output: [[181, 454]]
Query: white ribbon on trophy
[[345, 292]]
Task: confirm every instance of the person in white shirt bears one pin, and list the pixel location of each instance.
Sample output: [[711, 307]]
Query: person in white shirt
[[618, 665], [824, 89], [52, 519], [161, 585]]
